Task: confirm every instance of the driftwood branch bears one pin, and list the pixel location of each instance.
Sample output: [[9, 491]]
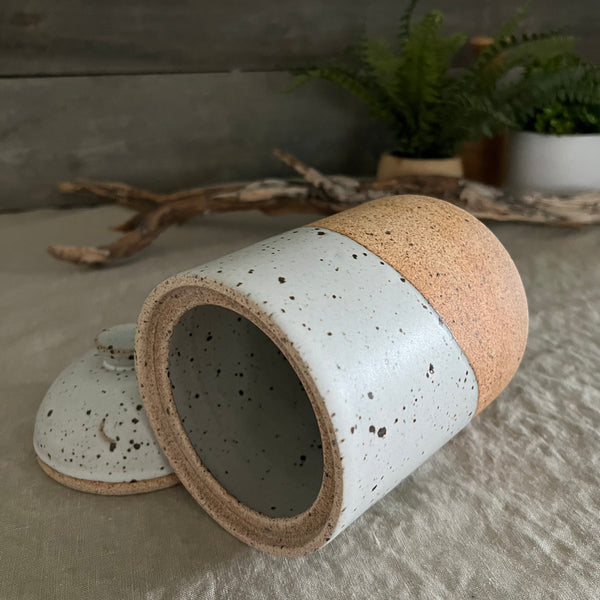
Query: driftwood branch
[[314, 193]]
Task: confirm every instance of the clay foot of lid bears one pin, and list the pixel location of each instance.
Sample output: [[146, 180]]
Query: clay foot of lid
[[110, 489], [91, 431]]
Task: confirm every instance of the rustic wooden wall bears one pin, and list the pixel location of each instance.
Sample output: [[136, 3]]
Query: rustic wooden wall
[[172, 94]]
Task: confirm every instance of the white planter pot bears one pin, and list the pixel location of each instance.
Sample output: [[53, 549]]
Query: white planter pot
[[561, 164]]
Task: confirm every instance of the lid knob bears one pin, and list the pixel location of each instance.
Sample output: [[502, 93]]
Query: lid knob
[[117, 345]]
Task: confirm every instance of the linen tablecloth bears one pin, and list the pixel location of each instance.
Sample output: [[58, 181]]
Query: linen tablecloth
[[509, 509]]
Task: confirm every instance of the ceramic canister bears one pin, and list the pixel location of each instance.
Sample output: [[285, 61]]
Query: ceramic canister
[[294, 383]]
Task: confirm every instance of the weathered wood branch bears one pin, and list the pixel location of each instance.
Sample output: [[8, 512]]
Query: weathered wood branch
[[315, 193], [150, 225]]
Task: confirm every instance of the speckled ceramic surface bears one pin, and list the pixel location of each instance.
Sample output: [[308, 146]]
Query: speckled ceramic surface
[[294, 383], [91, 431]]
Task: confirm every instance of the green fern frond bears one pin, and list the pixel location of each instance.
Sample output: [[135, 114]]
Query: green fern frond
[[300, 78], [503, 56], [405, 23], [486, 115], [539, 88], [511, 26], [422, 74], [446, 50], [371, 96], [505, 53], [536, 48], [420, 70], [379, 60]]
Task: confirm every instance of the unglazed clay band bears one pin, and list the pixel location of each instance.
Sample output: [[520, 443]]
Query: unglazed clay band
[[121, 488], [384, 378]]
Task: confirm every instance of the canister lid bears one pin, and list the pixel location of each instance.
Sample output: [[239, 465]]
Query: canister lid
[[91, 431]]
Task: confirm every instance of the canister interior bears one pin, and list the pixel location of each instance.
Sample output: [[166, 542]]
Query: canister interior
[[245, 411]]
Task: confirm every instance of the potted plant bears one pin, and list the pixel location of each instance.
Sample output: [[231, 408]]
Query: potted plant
[[430, 107], [557, 146]]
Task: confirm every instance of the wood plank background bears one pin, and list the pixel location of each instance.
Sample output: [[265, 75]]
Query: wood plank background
[[171, 94]]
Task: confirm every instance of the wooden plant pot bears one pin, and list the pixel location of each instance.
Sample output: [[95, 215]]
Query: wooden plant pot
[[391, 166], [294, 383], [483, 159]]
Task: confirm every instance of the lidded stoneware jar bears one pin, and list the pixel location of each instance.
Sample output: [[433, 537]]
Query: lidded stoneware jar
[[294, 383], [91, 431]]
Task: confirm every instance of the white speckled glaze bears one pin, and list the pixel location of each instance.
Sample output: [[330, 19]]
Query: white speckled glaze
[[91, 425], [379, 365]]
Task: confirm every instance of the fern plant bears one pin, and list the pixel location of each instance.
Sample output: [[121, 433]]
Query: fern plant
[[409, 83], [574, 105], [566, 119]]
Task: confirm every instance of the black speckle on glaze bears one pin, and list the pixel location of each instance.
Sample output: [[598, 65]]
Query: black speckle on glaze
[[83, 441]]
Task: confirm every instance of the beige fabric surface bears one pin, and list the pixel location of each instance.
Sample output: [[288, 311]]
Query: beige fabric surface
[[508, 509]]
